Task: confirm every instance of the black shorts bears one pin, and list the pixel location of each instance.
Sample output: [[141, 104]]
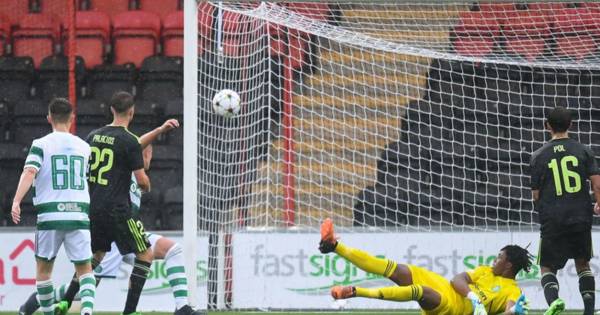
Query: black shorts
[[556, 250], [121, 228]]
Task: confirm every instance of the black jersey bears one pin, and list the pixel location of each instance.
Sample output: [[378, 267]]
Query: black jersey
[[560, 171], [116, 152]]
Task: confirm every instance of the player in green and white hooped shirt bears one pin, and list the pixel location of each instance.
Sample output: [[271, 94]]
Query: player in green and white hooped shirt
[[56, 168]]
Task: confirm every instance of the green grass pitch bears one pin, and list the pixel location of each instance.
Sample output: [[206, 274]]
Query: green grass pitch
[[307, 313]]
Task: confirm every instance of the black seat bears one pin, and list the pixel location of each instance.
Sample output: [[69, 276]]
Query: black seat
[[161, 79], [53, 79], [173, 209], [30, 120], [379, 206], [105, 80], [16, 77]]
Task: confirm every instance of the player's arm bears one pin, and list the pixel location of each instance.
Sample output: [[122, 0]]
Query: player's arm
[[461, 282], [151, 136], [25, 182], [142, 179]]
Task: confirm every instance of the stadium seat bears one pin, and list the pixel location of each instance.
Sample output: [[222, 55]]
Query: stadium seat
[[91, 114], [36, 36], [162, 8], [378, 206], [136, 36], [313, 10], [161, 79], [106, 79], [501, 11], [111, 7], [58, 9], [526, 35], [53, 77], [205, 24], [13, 10], [16, 77], [475, 34], [172, 35], [173, 209], [92, 37], [167, 157], [574, 29]]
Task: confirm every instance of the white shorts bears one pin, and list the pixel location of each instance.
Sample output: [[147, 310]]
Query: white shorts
[[109, 267], [77, 244]]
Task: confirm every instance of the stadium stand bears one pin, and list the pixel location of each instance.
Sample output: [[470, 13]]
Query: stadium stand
[[172, 35], [136, 36], [36, 36], [92, 33], [162, 8]]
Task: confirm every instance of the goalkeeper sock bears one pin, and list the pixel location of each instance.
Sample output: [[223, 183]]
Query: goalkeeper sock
[[550, 285], [137, 279], [176, 275], [587, 287], [412, 292], [87, 292], [365, 261], [45, 292]]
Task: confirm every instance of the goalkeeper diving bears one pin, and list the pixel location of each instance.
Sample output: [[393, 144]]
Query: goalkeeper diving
[[485, 290]]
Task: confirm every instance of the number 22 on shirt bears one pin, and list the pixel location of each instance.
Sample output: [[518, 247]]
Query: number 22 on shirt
[[101, 162]]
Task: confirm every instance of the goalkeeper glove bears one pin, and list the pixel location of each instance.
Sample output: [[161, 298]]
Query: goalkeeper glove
[[521, 307], [478, 307]]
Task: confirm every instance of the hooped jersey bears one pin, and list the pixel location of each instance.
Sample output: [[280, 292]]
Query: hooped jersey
[[60, 189]]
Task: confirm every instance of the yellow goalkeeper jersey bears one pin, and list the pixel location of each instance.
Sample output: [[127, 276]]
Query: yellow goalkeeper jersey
[[494, 291]]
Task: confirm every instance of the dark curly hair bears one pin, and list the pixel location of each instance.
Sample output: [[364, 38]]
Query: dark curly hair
[[519, 257]]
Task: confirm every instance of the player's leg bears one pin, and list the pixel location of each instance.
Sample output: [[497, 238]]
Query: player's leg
[[398, 273], [131, 238], [551, 259], [78, 248], [582, 245], [47, 244], [427, 297], [172, 253]]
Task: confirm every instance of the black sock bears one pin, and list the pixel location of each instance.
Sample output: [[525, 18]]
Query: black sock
[[73, 288], [587, 287], [136, 284], [550, 285]]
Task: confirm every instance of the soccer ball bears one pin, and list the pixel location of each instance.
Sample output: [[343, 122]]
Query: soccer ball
[[226, 103]]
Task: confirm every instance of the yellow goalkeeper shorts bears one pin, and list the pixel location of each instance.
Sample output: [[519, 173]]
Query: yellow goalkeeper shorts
[[451, 303]]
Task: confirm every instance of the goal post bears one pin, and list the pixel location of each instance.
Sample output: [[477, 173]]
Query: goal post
[[190, 149], [385, 116]]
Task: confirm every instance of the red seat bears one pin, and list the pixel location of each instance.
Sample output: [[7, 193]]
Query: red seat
[[92, 33], [501, 11], [526, 34], [14, 10], [475, 33], [574, 28], [36, 36], [110, 7], [161, 7], [172, 35], [592, 6], [205, 21], [58, 9], [136, 35], [233, 30], [313, 10]]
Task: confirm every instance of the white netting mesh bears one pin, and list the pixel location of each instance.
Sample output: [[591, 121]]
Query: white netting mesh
[[402, 115]]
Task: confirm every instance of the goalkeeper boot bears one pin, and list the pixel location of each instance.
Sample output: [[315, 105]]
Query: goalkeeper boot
[[556, 307], [328, 239], [30, 306], [340, 292], [61, 308]]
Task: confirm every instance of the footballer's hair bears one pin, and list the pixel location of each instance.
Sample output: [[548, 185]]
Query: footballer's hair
[[519, 257], [559, 119], [121, 102], [60, 110]]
